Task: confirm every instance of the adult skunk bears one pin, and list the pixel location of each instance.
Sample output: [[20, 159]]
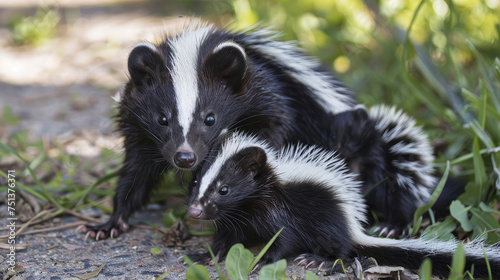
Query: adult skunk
[[186, 91], [251, 191]]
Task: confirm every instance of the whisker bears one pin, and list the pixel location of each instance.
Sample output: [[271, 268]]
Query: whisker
[[143, 122]]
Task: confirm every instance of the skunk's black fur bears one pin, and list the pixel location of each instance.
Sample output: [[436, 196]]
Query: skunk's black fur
[[251, 191], [187, 91]]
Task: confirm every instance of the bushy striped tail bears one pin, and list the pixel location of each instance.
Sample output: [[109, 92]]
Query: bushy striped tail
[[409, 153], [410, 253], [410, 160]]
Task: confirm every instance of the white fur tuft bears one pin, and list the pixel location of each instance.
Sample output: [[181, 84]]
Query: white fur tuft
[[147, 45], [394, 124], [472, 249], [333, 98], [311, 164], [235, 143], [230, 44]]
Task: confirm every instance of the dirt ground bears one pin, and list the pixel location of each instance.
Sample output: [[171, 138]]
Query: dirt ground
[[63, 89], [65, 85]]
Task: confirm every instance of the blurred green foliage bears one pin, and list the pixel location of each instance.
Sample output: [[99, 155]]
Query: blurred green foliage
[[34, 30], [355, 37]]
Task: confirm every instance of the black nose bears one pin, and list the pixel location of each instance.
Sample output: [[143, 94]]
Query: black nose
[[184, 160]]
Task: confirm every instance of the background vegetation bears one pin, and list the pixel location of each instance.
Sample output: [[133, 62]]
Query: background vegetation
[[436, 59]]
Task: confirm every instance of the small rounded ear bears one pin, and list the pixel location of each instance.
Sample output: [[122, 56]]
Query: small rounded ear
[[144, 63], [253, 160], [228, 62], [361, 112]]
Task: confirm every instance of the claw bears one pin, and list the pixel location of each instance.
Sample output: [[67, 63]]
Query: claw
[[89, 233], [392, 233], [255, 268], [384, 232], [358, 271], [100, 235], [113, 233], [300, 257], [302, 262], [311, 264], [81, 229]]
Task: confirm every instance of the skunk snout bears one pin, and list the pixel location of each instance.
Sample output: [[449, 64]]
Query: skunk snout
[[185, 159], [195, 211]]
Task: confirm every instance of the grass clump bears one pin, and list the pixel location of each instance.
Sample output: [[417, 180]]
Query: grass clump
[[35, 30]]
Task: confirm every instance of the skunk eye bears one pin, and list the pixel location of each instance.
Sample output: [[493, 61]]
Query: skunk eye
[[162, 120], [209, 120], [224, 190]]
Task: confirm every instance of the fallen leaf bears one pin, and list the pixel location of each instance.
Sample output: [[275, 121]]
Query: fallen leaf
[[91, 274], [395, 272]]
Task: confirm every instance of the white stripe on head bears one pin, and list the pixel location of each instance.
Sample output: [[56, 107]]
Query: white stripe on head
[[185, 50], [235, 143]]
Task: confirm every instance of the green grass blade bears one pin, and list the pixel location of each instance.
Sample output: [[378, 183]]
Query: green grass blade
[[469, 156], [35, 163], [432, 74], [101, 180], [33, 175], [485, 226], [479, 172], [425, 271], [488, 76], [264, 250], [475, 103], [216, 264], [27, 189], [341, 265], [442, 230], [483, 98], [458, 264], [424, 208], [407, 42], [490, 276]]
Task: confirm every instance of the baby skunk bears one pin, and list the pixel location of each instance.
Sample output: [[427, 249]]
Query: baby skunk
[[393, 158], [185, 92], [251, 191]]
